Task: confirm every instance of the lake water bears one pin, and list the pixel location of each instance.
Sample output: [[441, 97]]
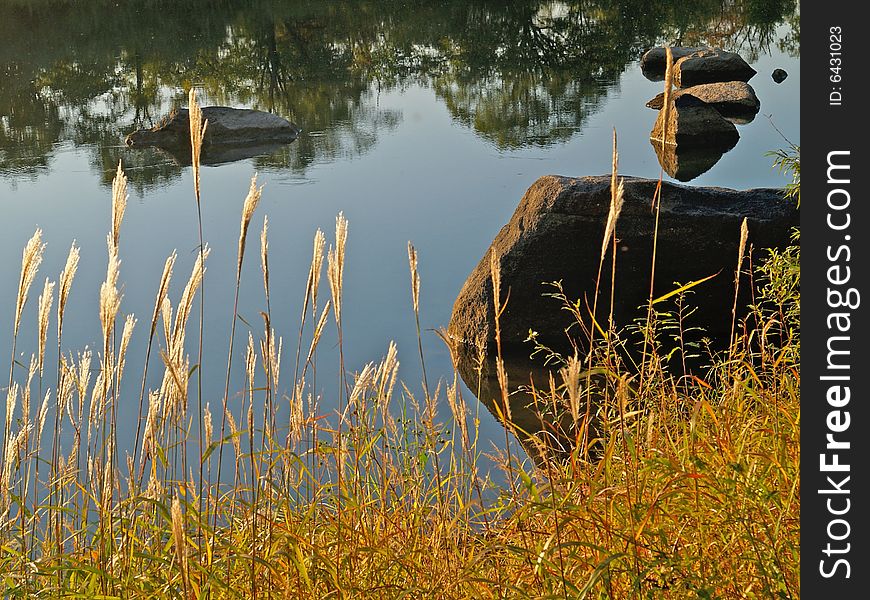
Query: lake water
[[422, 122]]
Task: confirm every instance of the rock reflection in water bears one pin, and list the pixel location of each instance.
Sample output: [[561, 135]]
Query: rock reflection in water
[[541, 419], [686, 163]]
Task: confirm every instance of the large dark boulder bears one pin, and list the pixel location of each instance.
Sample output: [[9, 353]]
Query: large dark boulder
[[711, 65], [226, 127], [654, 60], [555, 234]]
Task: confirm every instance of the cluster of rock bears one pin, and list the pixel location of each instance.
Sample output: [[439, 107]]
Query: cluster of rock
[[712, 96]]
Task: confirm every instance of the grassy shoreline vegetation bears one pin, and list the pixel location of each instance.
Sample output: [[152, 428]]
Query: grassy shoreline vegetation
[[693, 491]]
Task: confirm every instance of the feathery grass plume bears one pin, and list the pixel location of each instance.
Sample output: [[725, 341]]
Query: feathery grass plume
[[30, 260], [234, 433], [335, 264], [66, 279], [248, 208], [495, 274], [264, 255], [11, 401], [110, 299], [313, 285], [296, 421], [387, 373], [42, 414], [119, 203], [45, 300], [207, 423], [166, 319], [185, 303], [197, 134], [415, 276], [250, 363], [617, 192], [669, 82], [744, 236], [362, 383], [272, 357], [178, 538], [318, 331], [311, 290], [126, 334], [460, 413], [162, 292], [149, 439], [14, 449], [571, 377], [25, 391], [163, 288]]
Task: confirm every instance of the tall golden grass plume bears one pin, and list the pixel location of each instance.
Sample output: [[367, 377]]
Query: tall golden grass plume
[[110, 299], [571, 379], [119, 203], [318, 331], [250, 363], [66, 280], [744, 236], [415, 277], [335, 264], [163, 287], [361, 384], [31, 258], [11, 403], [617, 193], [26, 390], [248, 208], [387, 373], [197, 135], [178, 539], [207, 423], [313, 285], [126, 335], [45, 301], [264, 255], [185, 303]]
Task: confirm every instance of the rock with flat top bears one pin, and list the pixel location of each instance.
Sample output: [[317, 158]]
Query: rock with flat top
[[732, 98], [226, 127]]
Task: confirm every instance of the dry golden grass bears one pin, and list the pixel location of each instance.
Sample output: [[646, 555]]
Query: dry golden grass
[[693, 494]]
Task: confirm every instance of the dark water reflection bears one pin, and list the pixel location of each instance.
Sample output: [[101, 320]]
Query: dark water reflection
[[519, 74]]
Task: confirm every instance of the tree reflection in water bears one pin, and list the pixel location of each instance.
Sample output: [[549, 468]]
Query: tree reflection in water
[[520, 73]]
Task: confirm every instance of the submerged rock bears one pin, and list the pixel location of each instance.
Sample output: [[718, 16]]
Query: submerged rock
[[555, 234], [779, 75], [733, 99], [226, 126], [694, 123]]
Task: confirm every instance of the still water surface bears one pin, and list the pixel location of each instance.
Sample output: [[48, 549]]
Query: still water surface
[[422, 122]]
